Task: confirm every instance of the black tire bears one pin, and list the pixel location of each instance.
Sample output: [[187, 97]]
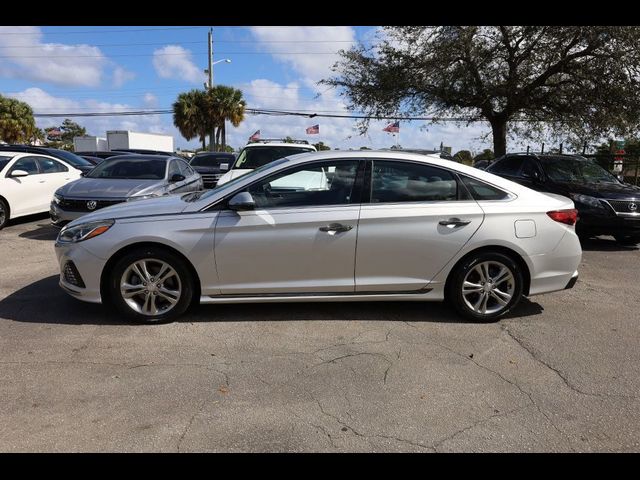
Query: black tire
[[455, 291], [4, 213], [152, 256], [627, 240]]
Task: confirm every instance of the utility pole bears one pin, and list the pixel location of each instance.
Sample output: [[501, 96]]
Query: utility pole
[[212, 135]]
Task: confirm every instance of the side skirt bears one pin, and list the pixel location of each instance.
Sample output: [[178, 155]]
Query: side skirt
[[421, 295]]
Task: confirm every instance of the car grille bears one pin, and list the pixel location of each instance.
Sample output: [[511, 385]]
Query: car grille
[[629, 207], [75, 205], [210, 179], [71, 275]]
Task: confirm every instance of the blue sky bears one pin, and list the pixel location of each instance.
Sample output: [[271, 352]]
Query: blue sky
[[120, 68]]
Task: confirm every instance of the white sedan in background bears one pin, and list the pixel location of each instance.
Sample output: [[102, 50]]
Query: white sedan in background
[[28, 181], [371, 226]]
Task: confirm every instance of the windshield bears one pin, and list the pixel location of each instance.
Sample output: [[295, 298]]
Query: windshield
[[580, 170], [210, 161], [255, 157], [191, 197], [3, 162], [72, 158], [130, 168]]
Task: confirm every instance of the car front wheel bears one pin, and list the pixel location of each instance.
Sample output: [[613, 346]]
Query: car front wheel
[[486, 286], [151, 285]]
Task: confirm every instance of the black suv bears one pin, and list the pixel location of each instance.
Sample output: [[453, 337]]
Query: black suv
[[606, 206], [211, 166], [76, 161]]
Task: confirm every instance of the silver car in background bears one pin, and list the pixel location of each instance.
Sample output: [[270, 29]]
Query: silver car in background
[[120, 179], [328, 226]]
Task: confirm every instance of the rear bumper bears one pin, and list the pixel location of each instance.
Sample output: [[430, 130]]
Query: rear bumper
[[573, 281], [558, 269]]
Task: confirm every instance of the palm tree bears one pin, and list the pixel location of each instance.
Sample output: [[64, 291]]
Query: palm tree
[[190, 115], [17, 124], [226, 104]]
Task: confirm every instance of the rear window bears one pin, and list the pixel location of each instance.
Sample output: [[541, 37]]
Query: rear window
[[255, 157], [483, 191], [210, 160], [506, 166]]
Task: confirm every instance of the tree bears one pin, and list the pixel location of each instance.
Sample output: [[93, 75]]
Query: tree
[[62, 136], [17, 124], [528, 80], [190, 115], [365, 148], [320, 146], [486, 154], [224, 104], [463, 156]]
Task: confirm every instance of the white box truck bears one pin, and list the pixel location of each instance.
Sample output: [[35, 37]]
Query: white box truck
[[118, 139], [90, 143]]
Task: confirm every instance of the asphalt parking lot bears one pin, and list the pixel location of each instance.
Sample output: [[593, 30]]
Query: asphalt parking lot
[[561, 373]]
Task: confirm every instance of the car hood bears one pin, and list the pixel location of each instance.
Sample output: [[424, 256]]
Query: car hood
[[165, 205], [235, 173], [98, 188], [601, 190]]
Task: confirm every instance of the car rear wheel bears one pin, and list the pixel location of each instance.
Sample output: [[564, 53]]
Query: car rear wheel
[[486, 286], [628, 240], [151, 285], [4, 213]]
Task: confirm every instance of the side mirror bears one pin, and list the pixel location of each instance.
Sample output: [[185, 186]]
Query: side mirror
[[19, 173], [224, 167], [242, 201], [176, 177]]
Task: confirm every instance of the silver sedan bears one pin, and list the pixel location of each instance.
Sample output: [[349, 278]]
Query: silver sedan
[[122, 179], [328, 226]]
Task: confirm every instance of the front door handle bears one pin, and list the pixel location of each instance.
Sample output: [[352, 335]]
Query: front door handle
[[454, 222], [336, 227]]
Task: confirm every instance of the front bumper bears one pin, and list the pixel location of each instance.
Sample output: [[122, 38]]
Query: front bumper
[[89, 268], [595, 222], [60, 217]]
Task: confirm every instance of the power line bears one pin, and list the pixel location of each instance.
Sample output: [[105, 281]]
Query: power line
[[51, 55], [187, 43], [101, 31]]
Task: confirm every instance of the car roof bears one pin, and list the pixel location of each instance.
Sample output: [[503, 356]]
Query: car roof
[[279, 144], [223, 154], [139, 156]]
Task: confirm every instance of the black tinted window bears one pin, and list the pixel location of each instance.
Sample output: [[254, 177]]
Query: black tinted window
[[210, 160], [255, 157], [530, 169], [506, 166], [3, 162], [133, 168], [185, 169], [483, 191], [328, 183], [70, 157], [48, 165], [410, 182], [28, 164]]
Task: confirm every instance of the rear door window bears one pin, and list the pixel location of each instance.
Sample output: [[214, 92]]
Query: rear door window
[[49, 165], [394, 182], [509, 166]]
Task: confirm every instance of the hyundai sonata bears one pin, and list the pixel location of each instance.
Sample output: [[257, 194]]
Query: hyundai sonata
[[328, 226]]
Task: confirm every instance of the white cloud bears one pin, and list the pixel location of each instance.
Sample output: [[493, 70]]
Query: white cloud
[[60, 64], [150, 100], [174, 61], [43, 102], [306, 49], [122, 76]]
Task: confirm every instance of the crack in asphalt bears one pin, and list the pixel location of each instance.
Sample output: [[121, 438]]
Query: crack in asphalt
[[360, 434], [189, 424]]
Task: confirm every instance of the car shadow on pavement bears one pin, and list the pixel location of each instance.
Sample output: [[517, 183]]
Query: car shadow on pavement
[[604, 244], [45, 302], [43, 232]]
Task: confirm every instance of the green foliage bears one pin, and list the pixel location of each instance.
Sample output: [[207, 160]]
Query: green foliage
[[464, 156], [365, 148], [577, 81], [64, 140], [288, 139], [17, 124], [487, 154], [320, 146]]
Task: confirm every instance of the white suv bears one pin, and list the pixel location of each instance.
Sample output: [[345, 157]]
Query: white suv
[[260, 153]]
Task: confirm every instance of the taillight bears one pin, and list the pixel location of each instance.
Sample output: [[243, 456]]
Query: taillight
[[570, 216]]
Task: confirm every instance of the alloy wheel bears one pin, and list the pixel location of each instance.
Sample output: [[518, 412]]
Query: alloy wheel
[[150, 287], [488, 287]]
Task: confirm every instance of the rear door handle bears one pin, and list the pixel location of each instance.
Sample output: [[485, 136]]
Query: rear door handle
[[454, 222], [336, 227]]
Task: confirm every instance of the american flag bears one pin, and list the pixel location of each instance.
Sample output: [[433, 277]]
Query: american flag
[[313, 130], [255, 136], [392, 127]]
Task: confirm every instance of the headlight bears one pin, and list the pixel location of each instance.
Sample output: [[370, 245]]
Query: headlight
[[143, 197], [84, 231], [57, 199], [586, 199]]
